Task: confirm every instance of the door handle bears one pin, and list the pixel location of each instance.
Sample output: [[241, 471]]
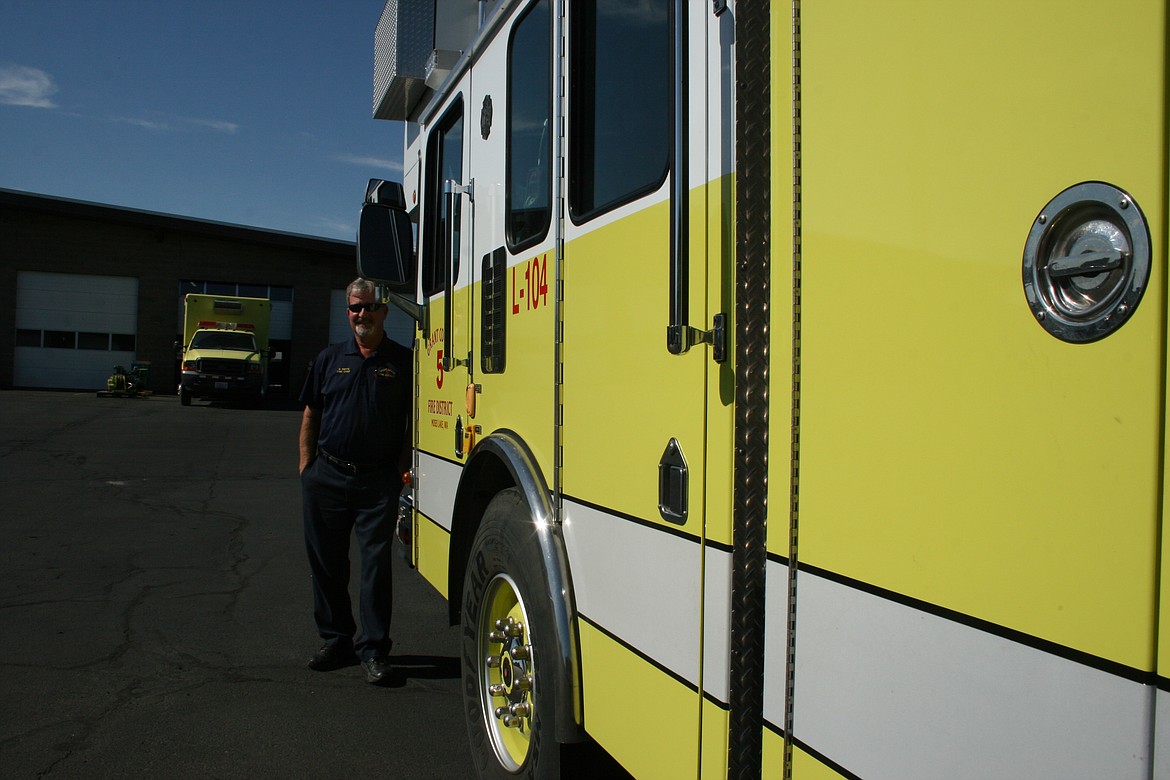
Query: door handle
[[680, 335], [673, 481], [451, 192]]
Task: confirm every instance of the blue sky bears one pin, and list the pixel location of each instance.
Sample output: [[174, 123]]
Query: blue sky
[[253, 112]]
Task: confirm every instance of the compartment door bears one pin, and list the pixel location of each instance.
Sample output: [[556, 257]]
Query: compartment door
[[980, 486], [634, 435]]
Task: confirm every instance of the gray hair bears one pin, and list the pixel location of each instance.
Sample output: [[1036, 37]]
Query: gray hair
[[360, 285]]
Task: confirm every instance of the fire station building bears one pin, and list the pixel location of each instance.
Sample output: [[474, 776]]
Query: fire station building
[[85, 287]]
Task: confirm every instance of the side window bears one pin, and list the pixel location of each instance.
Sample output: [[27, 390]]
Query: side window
[[444, 163], [619, 103], [529, 128]]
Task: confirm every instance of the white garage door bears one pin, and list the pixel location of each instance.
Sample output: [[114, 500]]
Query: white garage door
[[72, 329]]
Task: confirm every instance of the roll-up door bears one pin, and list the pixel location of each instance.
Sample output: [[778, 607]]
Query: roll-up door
[[72, 329]]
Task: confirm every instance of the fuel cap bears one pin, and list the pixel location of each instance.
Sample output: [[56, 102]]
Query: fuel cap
[[1087, 262]]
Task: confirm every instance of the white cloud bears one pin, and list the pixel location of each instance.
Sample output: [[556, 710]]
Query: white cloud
[[21, 85], [216, 124], [148, 124], [370, 162], [167, 124]]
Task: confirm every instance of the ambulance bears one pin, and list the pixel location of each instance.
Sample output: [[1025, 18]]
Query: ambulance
[[790, 379], [225, 348]]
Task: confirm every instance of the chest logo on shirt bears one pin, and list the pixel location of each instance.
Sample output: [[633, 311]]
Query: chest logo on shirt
[[343, 370], [385, 373]]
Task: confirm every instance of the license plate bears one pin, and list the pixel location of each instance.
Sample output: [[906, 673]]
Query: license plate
[[221, 385]]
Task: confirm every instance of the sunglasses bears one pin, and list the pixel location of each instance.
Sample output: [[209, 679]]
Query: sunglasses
[[357, 308]]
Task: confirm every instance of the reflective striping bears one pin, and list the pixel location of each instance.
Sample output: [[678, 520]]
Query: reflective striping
[[717, 624], [638, 584], [438, 483], [871, 671], [591, 545], [1162, 735]]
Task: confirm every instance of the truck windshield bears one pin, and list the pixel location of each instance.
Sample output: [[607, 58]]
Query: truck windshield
[[211, 339]]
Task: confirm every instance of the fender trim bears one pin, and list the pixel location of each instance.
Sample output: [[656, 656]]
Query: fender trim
[[506, 447]]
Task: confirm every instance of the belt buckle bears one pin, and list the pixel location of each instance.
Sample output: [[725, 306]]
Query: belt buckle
[[344, 465]]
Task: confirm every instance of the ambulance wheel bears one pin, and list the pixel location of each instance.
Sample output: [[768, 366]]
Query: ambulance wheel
[[184, 396], [507, 630]]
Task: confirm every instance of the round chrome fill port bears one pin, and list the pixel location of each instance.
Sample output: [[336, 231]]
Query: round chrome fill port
[[1087, 262]]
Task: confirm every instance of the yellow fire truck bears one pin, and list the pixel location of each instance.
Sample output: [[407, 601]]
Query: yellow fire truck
[[791, 379]]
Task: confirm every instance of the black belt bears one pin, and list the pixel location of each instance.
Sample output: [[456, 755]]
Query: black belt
[[352, 468]]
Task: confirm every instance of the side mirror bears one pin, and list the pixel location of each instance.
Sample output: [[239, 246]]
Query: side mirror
[[385, 245]]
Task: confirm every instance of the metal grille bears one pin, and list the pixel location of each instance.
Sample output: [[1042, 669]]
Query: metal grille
[[221, 367], [493, 331]]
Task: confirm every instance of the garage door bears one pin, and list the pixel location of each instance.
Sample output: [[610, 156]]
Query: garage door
[[72, 329]]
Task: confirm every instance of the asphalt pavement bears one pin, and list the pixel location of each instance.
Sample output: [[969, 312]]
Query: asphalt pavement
[[155, 610]]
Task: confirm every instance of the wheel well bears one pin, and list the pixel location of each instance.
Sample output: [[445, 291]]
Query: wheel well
[[484, 477], [499, 462]]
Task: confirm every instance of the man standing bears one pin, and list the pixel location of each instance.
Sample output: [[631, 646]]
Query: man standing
[[355, 444]]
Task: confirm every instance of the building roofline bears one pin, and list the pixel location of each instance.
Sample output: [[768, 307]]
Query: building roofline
[[105, 212]]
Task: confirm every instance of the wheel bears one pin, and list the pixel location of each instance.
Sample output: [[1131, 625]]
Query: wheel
[[507, 625], [184, 396]]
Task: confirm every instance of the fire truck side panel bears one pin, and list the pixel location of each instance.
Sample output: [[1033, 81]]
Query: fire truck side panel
[[1162, 703], [628, 403], [442, 388], [979, 501], [438, 482], [626, 397], [651, 725], [713, 235], [433, 543], [635, 610], [714, 743], [806, 766]]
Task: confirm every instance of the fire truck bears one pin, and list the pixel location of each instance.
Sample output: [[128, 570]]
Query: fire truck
[[790, 378]]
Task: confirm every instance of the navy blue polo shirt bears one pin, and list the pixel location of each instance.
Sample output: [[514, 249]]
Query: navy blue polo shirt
[[364, 402]]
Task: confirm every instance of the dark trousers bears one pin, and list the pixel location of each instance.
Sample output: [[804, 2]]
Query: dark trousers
[[336, 504]]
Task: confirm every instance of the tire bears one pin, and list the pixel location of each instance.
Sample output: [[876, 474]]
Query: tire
[[184, 396], [507, 626]]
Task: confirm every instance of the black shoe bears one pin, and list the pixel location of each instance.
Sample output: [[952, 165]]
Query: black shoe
[[332, 656], [377, 670]]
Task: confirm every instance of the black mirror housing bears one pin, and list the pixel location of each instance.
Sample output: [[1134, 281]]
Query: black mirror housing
[[385, 245]]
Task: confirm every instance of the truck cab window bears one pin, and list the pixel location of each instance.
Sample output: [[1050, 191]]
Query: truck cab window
[[444, 163], [529, 128], [619, 103]]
